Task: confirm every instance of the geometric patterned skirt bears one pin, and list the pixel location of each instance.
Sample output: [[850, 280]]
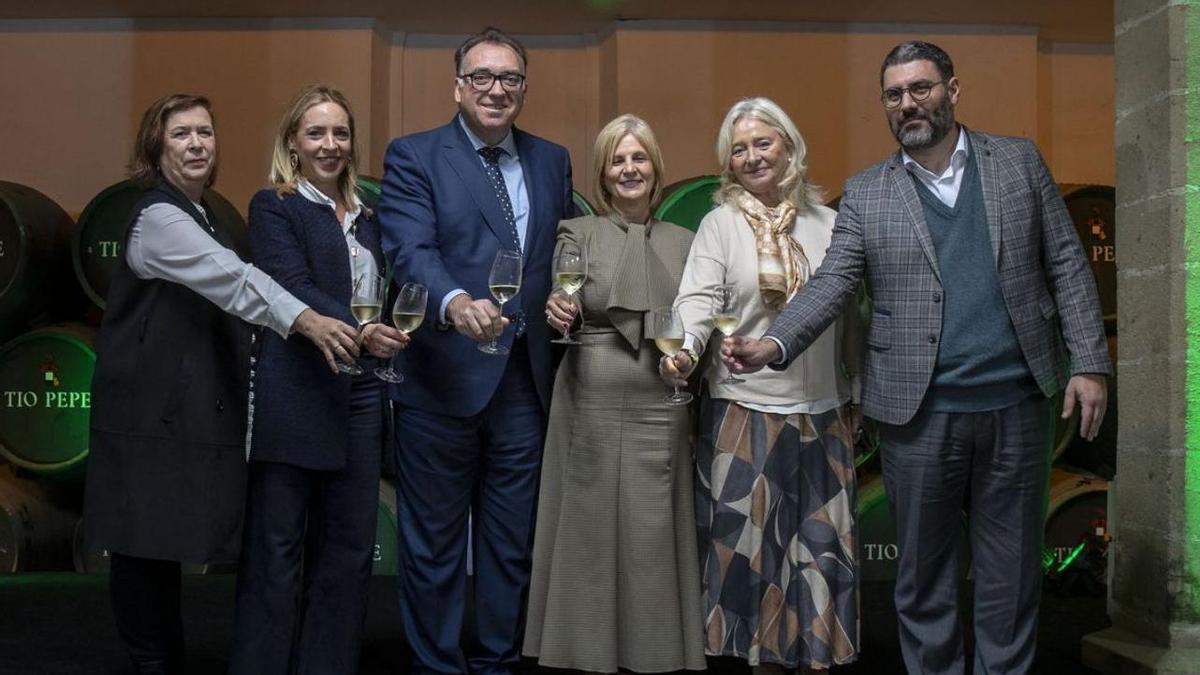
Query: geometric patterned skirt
[[775, 499]]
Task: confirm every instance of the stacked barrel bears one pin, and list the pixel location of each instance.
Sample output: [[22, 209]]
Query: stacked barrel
[[45, 383], [54, 277], [1076, 521]]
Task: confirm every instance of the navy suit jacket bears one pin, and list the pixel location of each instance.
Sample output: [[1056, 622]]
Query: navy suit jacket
[[301, 409], [442, 226]]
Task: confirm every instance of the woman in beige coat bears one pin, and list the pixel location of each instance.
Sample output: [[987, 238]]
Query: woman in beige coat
[[615, 580]]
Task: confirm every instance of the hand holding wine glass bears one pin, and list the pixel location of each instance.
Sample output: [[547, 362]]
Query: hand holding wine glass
[[408, 313], [570, 271], [726, 318], [504, 282], [668, 337], [366, 300]]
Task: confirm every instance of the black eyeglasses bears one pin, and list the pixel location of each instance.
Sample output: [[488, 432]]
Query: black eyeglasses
[[482, 80], [919, 91]]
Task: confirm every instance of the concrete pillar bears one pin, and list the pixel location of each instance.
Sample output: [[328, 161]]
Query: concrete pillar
[[1154, 516]]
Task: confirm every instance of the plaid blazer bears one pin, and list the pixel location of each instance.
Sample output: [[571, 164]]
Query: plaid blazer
[[881, 235]]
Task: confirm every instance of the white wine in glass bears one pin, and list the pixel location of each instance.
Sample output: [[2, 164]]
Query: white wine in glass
[[365, 313], [366, 301], [669, 346], [504, 282], [570, 271], [408, 313], [726, 318], [668, 337]]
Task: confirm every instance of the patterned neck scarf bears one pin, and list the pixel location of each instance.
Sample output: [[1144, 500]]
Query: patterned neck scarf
[[782, 266]]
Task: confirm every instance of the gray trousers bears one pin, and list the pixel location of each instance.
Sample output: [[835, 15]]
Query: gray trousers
[[1000, 458]]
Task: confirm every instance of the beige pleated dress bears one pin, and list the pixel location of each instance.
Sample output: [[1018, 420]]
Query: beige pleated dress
[[615, 581]]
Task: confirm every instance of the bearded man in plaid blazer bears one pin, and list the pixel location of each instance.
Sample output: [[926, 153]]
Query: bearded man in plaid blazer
[[983, 308]]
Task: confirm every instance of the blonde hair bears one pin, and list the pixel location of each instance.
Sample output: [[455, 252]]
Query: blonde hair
[[606, 144], [284, 172], [793, 185]]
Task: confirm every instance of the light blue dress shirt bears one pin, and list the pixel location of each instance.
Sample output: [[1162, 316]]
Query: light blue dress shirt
[[514, 180]]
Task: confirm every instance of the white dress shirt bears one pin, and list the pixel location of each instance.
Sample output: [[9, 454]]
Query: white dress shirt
[[166, 243], [946, 184], [361, 261]]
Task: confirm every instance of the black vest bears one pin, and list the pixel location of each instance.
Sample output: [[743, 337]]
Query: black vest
[[169, 363]]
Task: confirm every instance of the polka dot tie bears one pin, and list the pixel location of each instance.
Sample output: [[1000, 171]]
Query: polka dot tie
[[491, 161]]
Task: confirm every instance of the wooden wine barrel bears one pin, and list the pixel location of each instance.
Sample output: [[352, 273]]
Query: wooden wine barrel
[[45, 400], [1077, 508], [686, 202], [1093, 210], [35, 272], [35, 531], [878, 550], [386, 559], [100, 234]]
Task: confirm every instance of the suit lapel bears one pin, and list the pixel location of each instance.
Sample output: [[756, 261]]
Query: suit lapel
[[989, 177], [903, 184], [469, 167], [525, 152]]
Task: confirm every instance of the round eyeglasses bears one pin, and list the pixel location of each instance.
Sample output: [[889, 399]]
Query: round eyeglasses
[[919, 91]]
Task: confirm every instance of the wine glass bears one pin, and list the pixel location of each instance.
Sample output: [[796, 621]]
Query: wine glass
[[504, 282], [726, 318], [366, 300], [668, 337], [407, 314], [570, 270]]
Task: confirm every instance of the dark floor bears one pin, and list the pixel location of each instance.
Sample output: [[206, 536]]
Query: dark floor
[[60, 624]]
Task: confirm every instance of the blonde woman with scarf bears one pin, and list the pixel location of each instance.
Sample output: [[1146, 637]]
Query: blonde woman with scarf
[[774, 484]]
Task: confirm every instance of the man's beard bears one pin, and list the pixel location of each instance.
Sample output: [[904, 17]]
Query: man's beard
[[940, 122]]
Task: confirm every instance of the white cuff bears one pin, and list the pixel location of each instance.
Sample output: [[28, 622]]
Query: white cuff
[[446, 302]]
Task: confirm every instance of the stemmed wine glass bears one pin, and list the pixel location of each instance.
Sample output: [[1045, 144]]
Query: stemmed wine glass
[[570, 270], [407, 314], [668, 337], [366, 300], [726, 318], [504, 282]]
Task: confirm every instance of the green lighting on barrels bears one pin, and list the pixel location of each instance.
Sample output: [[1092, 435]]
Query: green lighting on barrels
[[687, 202], [100, 234], [45, 400], [582, 204], [385, 558], [369, 190]]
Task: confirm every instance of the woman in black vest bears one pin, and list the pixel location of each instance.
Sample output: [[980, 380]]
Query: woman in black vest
[[166, 476], [317, 437]]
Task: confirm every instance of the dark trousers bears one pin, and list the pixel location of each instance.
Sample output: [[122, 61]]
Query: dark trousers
[[448, 467], [1002, 458], [145, 600], [306, 556]]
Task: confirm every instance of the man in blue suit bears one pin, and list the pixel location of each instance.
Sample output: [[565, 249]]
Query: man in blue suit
[[469, 425]]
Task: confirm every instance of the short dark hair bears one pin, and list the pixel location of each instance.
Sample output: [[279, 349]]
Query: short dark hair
[[916, 50], [490, 35], [148, 148]]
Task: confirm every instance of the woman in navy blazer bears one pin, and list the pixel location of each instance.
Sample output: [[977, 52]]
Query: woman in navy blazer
[[316, 436]]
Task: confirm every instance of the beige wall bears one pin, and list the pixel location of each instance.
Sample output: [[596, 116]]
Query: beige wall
[[74, 92]]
